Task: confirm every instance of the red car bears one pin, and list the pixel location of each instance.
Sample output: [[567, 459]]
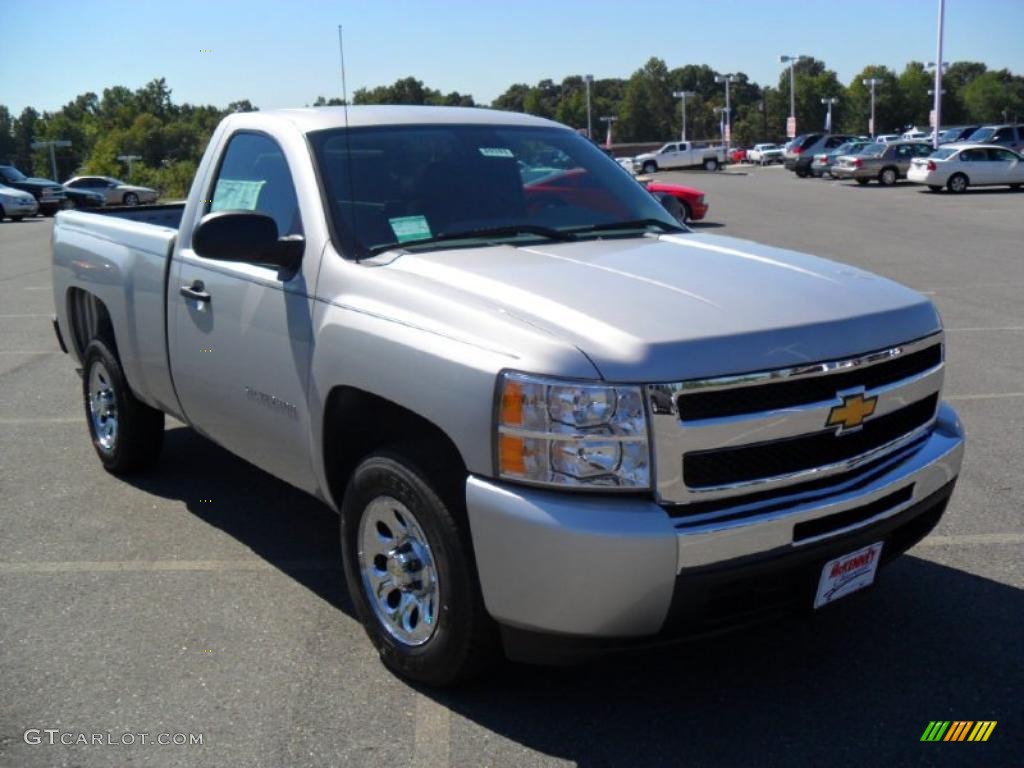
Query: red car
[[738, 155], [691, 200]]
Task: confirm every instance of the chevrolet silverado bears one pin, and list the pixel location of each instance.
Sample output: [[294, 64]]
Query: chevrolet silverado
[[554, 421]]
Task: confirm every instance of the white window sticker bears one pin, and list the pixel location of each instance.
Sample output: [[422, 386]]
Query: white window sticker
[[408, 228], [236, 195], [496, 152]]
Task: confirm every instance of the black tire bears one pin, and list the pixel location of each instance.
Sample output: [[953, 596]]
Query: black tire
[[687, 213], [139, 429], [464, 642], [15, 218], [650, 167], [679, 210], [801, 172], [711, 164], [1015, 186], [2, 214], [887, 177], [862, 182], [957, 183], [935, 187], [130, 198]]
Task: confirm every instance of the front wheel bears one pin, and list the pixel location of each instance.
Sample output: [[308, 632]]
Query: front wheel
[[650, 167], [126, 433], [131, 199], [710, 164], [410, 572]]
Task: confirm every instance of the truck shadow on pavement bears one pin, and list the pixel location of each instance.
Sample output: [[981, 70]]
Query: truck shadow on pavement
[[858, 682]]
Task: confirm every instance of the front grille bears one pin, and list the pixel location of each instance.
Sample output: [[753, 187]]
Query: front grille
[[809, 529], [727, 466], [799, 391]]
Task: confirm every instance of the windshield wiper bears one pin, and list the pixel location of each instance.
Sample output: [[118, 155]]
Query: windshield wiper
[[632, 224], [548, 233]]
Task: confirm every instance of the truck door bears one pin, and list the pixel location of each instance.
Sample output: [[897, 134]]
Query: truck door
[[241, 334]]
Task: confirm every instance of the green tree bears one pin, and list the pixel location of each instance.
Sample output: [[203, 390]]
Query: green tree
[[646, 110], [857, 110], [914, 84]]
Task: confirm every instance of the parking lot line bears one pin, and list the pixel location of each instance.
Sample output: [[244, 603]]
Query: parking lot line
[[987, 396], [984, 328], [975, 539], [164, 566]]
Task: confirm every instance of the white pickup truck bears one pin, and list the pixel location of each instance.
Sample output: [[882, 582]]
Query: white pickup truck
[[553, 421], [681, 154]]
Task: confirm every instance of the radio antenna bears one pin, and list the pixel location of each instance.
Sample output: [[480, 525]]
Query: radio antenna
[[348, 147]]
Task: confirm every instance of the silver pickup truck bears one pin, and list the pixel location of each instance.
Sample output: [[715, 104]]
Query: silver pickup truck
[[553, 421]]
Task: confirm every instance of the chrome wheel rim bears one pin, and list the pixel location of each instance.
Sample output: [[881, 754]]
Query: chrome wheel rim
[[398, 571], [958, 184], [888, 177], [103, 407]]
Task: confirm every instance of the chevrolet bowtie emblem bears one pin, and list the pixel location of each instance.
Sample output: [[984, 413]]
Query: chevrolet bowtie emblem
[[852, 412]]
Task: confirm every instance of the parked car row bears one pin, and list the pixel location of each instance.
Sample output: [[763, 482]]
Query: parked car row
[[954, 166], [48, 196]]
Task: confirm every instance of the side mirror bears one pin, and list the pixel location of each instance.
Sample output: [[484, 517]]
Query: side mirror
[[246, 236]]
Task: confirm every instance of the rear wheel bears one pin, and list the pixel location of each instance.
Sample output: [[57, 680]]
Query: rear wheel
[[710, 164], [126, 433], [650, 167], [131, 198], [410, 571], [957, 183], [888, 176]]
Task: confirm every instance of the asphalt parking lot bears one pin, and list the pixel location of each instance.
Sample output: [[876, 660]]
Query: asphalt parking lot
[[205, 598]]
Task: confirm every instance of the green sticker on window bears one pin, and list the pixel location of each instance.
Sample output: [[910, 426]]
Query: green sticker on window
[[236, 195], [496, 152], [408, 228]]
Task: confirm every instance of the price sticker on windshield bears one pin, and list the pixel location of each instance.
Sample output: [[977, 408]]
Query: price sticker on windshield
[[496, 152], [408, 228]]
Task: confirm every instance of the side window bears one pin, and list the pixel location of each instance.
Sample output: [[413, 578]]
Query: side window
[[973, 155], [254, 176], [923, 150], [1003, 134], [1001, 155]]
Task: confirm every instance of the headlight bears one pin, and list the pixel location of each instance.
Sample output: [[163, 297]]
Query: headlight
[[566, 433]]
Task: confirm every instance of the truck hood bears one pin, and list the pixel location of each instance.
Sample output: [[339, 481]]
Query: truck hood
[[673, 307]]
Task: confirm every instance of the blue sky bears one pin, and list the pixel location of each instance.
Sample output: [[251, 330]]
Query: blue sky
[[285, 53]]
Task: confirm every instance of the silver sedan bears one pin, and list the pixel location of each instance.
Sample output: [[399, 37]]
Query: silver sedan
[[116, 191]]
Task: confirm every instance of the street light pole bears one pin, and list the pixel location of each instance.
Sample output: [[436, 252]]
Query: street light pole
[[608, 138], [723, 116], [682, 95], [128, 159], [938, 74], [872, 82], [792, 60], [727, 135], [53, 157], [830, 100], [588, 79]]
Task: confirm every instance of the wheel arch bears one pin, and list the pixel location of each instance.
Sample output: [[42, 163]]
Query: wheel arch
[[89, 318], [356, 423]]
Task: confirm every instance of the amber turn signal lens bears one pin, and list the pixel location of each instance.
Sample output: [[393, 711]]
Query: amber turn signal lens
[[512, 403], [512, 455]]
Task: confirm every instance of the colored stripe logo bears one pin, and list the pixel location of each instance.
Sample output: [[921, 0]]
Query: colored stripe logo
[[958, 730]]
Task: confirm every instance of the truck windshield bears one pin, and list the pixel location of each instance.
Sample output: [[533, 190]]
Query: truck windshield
[[10, 173], [401, 185]]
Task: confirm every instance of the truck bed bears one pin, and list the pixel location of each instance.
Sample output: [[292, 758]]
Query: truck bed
[[163, 214], [121, 256]]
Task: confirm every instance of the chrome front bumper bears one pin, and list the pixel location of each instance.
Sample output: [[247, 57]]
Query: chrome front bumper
[[600, 566]]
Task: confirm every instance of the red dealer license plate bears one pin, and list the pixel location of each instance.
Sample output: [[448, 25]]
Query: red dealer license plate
[[847, 574]]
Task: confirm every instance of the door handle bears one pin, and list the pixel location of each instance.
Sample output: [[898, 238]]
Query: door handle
[[195, 291]]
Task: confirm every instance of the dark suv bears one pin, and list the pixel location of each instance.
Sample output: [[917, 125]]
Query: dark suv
[[1010, 136], [49, 194], [801, 152]]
